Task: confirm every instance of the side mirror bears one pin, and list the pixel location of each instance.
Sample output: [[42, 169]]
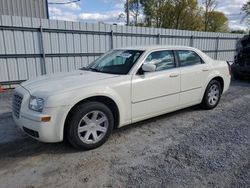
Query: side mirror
[[148, 67]]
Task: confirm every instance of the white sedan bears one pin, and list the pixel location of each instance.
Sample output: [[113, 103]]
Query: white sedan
[[123, 86]]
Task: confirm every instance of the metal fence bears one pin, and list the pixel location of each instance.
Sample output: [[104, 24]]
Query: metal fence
[[28, 8], [30, 47]]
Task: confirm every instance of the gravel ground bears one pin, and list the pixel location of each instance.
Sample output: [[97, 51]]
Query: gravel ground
[[187, 148]]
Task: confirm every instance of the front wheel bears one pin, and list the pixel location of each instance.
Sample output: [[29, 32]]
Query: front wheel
[[90, 125], [212, 95]]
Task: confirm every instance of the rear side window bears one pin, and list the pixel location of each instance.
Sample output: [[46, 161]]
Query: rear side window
[[162, 59], [188, 58]]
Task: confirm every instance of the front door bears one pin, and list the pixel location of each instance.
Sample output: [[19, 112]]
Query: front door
[[155, 93]]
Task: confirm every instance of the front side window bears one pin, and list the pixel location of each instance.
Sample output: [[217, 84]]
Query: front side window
[[162, 59], [115, 62], [187, 58]]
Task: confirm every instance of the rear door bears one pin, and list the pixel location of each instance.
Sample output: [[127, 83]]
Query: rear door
[[194, 73]]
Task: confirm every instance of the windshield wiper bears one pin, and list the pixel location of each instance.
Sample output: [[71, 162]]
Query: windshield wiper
[[90, 69], [94, 69], [84, 68]]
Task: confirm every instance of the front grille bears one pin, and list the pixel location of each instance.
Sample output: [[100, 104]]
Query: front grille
[[16, 105]]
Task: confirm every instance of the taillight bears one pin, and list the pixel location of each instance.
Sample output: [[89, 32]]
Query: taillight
[[229, 68]]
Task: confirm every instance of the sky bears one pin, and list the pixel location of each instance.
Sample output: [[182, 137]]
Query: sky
[[108, 11]]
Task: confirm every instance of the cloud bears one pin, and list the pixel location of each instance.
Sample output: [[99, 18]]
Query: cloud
[[117, 4], [55, 1], [73, 12], [107, 17], [58, 14], [232, 9], [54, 11], [230, 6], [67, 16], [114, 1], [68, 12], [73, 6]]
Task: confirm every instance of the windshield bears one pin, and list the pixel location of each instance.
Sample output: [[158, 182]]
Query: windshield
[[115, 62]]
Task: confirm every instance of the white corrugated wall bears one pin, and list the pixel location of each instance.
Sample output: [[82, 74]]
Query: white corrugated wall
[[27, 8], [70, 45]]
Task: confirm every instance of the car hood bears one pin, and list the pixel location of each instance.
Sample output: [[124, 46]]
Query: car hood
[[62, 82]]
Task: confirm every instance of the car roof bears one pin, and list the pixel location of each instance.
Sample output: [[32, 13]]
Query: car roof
[[157, 47]]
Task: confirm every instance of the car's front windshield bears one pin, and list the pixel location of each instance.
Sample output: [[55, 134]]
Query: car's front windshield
[[115, 62]]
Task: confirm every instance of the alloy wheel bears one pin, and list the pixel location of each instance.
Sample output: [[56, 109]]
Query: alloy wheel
[[213, 94], [93, 127]]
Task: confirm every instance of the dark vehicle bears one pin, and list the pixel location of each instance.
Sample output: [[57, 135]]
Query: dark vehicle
[[241, 65]]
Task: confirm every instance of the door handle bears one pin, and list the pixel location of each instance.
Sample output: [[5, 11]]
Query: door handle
[[172, 75], [205, 69]]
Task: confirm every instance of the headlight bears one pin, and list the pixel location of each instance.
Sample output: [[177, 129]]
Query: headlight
[[36, 104]]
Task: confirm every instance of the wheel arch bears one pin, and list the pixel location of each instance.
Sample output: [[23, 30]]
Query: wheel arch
[[99, 98], [215, 77], [203, 102], [220, 80]]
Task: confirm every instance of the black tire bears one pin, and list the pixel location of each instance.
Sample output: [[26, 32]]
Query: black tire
[[205, 101], [77, 115]]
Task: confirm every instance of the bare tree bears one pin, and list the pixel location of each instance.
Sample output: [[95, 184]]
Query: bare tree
[[246, 10], [131, 8], [127, 11], [209, 5]]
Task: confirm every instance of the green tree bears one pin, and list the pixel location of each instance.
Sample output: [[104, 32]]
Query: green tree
[[149, 10], [181, 14], [177, 14], [218, 22], [188, 15]]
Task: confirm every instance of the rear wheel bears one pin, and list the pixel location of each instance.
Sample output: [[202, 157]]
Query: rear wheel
[[212, 95], [90, 125]]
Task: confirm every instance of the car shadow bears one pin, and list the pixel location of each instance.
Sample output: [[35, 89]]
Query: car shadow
[[157, 118], [27, 147]]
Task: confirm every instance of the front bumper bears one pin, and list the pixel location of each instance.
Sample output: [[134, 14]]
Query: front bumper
[[31, 121]]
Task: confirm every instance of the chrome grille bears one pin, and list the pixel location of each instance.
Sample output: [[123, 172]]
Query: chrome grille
[[16, 105]]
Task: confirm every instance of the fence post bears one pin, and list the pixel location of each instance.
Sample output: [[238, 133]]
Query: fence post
[[159, 39], [112, 39], [191, 41], [217, 47], [43, 66]]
